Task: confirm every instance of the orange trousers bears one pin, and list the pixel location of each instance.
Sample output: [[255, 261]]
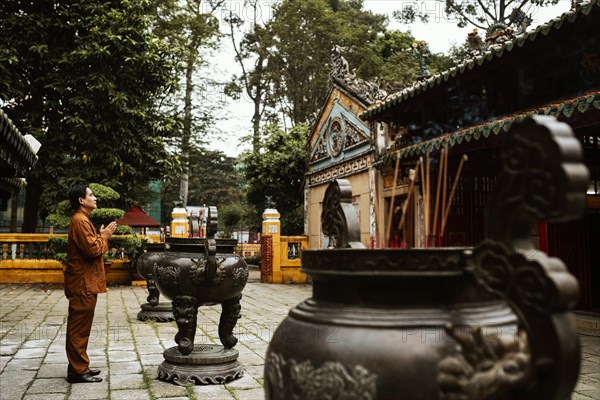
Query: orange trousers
[[79, 326]]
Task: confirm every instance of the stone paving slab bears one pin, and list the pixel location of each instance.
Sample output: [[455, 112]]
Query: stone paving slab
[[33, 362]]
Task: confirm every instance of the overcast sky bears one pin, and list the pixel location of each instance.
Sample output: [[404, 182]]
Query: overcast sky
[[441, 33]]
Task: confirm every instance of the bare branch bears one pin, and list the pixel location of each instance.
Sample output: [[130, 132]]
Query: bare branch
[[238, 56], [483, 7], [464, 16], [215, 4]]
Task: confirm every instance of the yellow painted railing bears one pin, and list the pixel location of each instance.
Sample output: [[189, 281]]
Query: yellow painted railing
[[248, 250], [25, 246], [25, 258]]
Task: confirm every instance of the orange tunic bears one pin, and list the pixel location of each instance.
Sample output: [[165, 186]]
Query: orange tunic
[[84, 279], [84, 274]]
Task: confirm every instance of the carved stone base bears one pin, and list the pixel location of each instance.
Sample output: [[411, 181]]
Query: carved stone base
[[163, 312], [208, 364]]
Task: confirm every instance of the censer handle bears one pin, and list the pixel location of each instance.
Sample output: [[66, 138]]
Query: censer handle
[[543, 179], [339, 219], [211, 259]]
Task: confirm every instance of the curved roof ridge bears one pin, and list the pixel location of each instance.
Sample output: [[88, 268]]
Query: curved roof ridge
[[492, 52], [564, 106]]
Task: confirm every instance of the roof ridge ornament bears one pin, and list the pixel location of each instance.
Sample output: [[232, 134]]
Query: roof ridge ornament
[[421, 52], [340, 70]]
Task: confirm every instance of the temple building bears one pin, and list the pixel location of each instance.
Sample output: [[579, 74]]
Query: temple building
[[458, 118], [340, 147], [17, 157]]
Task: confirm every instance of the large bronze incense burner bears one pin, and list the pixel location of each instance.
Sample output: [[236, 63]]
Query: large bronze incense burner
[[192, 273], [490, 322]]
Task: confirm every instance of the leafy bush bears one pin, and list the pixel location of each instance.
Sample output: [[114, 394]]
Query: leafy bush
[[104, 216], [106, 196], [58, 221], [61, 257], [130, 246], [61, 217], [252, 260], [58, 247], [124, 230], [64, 208], [57, 244]]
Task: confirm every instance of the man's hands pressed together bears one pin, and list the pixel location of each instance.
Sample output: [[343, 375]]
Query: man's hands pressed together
[[109, 230]]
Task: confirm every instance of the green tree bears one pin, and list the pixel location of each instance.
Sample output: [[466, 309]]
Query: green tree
[[214, 181], [359, 32], [255, 82], [395, 65], [286, 61], [485, 15], [235, 217], [276, 172], [193, 30], [304, 32], [86, 79]]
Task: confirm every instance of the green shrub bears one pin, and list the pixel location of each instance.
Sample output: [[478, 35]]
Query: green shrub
[[104, 216], [64, 208], [124, 230], [58, 247], [106, 196], [130, 246], [57, 244], [62, 257], [58, 221], [252, 260]]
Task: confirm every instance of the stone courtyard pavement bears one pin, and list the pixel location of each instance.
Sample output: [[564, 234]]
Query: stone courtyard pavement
[[128, 351]]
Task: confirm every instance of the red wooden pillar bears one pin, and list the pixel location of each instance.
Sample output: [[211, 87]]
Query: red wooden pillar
[[543, 237], [266, 258]]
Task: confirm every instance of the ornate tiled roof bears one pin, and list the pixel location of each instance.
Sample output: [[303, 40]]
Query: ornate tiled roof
[[15, 151], [492, 53], [10, 184], [564, 108]]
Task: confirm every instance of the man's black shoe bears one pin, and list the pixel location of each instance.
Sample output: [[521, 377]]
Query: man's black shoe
[[94, 372], [85, 378]]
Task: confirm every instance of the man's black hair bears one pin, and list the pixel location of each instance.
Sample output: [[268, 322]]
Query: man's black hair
[[77, 191]]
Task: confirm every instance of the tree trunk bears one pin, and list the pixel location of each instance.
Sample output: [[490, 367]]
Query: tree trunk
[[187, 125], [14, 202], [33, 195], [257, 99], [256, 123]]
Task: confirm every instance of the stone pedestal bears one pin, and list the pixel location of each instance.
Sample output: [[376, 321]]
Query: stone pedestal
[[163, 312], [206, 364]]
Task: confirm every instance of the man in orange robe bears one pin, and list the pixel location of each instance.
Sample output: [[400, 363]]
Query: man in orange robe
[[84, 279]]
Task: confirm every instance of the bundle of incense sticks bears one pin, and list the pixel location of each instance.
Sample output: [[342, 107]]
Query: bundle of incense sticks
[[411, 189], [442, 202], [391, 211], [446, 210]]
